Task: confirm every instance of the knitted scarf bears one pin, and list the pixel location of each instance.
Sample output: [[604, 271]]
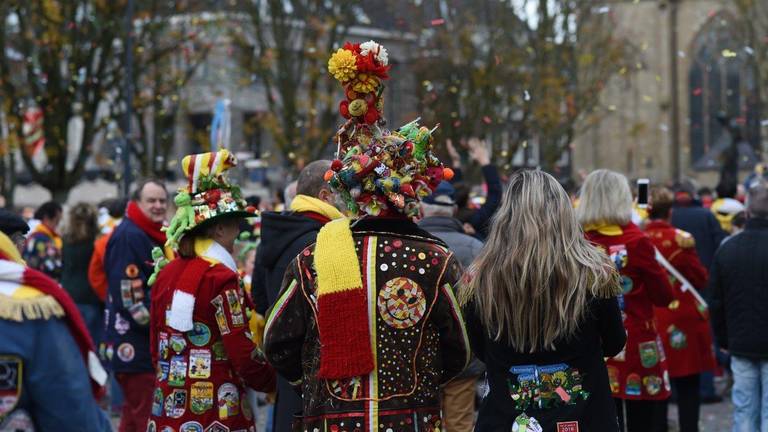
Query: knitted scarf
[[305, 203], [342, 309], [13, 270], [152, 229]]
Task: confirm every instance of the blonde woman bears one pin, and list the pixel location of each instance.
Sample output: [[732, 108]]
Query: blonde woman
[[542, 312], [638, 375]]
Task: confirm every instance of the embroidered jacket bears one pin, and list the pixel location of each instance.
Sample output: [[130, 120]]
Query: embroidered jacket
[[416, 329], [44, 380], [128, 265], [42, 251], [639, 372], [683, 324], [202, 373]]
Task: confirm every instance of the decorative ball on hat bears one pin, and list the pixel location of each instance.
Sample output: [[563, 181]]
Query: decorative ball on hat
[[378, 172], [207, 196]]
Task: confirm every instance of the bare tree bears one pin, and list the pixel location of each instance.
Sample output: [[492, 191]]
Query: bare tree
[[286, 47]]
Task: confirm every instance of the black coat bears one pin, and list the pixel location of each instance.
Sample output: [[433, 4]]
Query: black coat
[[738, 281], [704, 228], [576, 367], [283, 236]]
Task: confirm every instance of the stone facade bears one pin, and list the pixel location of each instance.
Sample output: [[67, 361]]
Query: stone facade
[[634, 136]]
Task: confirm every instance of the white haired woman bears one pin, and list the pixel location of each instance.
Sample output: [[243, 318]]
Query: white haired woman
[[638, 375], [542, 312]]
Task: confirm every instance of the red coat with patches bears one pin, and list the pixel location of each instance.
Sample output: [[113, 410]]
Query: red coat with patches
[[684, 323], [640, 371], [202, 373]]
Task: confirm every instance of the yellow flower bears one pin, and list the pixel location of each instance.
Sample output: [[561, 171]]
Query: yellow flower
[[343, 65], [365, 83]]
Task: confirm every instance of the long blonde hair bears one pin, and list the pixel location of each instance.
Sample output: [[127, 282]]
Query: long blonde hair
[[605, 199], [531, 281], [83, 224]]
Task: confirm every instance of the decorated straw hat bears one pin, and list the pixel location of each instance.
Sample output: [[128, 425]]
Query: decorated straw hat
[[376, 171], [207, 196]]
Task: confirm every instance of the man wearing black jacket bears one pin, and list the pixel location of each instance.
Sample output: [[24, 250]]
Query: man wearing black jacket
[[283, 236], [738, 284]]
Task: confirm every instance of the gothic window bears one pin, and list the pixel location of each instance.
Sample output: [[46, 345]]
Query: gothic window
[[721, 82]]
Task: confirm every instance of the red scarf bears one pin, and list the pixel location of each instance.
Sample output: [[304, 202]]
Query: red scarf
[[152, 229], [73, 319]]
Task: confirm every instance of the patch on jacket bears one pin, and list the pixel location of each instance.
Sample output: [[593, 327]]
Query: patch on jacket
[[11, 368], [546, 386]]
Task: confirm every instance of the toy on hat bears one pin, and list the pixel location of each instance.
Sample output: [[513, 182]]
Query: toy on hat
[[208, 194], [378, 172]]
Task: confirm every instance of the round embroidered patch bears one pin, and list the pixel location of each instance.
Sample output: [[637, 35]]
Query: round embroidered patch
[[125, 352], [401, 303]]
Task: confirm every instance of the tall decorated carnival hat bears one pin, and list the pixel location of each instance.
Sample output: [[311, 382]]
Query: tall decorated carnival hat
[[207, 196], [378, 172]]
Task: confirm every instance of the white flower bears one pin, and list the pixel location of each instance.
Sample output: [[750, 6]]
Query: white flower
[[379, 51]]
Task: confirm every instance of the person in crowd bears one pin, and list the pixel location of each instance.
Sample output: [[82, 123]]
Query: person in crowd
[[111, 213], [49, 375], [127, 263], [438, 211], [683, 324], [476, 221], [283, 236], [82, 229], [201, 342], [367, 322], [638, 375], [542, 312], [737, 283], [689, 216], [726, 206], [43, 248], [14, 227], [706, 197]]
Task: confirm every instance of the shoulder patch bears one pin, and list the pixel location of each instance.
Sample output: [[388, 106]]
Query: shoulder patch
[[684, 239], [11, 368]]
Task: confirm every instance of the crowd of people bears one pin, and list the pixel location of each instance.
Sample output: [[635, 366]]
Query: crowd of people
[[382, 297]]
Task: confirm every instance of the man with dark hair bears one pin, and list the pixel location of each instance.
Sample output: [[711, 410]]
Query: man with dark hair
[[739, 302], [283, 236], [127, 262], [14, 227], [43, 248]]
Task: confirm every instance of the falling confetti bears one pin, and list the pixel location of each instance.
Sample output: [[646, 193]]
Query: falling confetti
[[438, 22], [527, 96]]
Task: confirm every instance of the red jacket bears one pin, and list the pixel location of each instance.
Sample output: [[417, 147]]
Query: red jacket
[[684, 323], [640, 371], [202, 374]]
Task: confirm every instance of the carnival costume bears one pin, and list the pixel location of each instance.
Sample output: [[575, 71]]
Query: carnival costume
[[367, 323], [201, 343]]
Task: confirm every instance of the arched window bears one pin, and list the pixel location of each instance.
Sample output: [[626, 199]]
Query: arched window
[[721, 82]]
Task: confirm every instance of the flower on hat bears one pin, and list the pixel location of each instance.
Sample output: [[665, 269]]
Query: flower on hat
[[379, 52], [365, 83], [343, 65]]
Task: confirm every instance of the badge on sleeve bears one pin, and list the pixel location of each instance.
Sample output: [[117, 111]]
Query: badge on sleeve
[[163, 367], [121, 324], [132, 271], [157, 403], [569, 426], [126, 352], [139, 313], [221, 318], [523, 423], [191, 426], [178, 343], [162, 345], [178, 371], [176, 403], [677, 338], [201, 397], [228, 400], [199, 363], [126, 293], [200, 334], [219, 353], [633, 385], [235, 310], [11, 368], [652, 384], [216, 427], [649, 354]]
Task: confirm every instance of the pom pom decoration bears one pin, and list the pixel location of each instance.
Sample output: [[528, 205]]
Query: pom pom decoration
[[376, 171]]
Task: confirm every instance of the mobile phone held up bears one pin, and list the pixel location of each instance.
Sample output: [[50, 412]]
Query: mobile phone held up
[[642, 192]]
